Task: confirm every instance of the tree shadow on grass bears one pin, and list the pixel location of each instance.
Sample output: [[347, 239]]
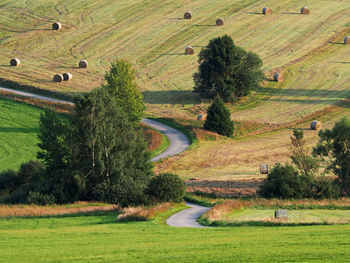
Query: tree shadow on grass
[[255, 13], [173, 18], [291, 13], [336, 43], [203, 25], [171, 97], [173, 54], [18, 130]]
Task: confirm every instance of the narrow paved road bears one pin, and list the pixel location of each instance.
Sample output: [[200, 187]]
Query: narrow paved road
[[178, 140], [187, 218]]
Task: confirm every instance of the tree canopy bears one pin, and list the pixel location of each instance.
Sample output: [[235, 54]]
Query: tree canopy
[[227, 70], [122, 86]]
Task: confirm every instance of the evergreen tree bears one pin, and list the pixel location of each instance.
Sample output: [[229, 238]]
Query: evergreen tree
[[218, 118], [226, 70], [122, 85], [53, 132]]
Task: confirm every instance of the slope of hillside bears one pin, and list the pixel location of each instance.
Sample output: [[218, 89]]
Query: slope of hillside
[[153, 34]]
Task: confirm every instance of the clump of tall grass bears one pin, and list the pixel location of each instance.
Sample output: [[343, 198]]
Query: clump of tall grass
[[35, 210], [142, 213]]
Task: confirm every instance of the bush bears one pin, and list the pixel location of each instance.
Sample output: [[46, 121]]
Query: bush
[[30, 170], [284, 182], [218, 118], [9, 181], [37, 198], [166, 187]]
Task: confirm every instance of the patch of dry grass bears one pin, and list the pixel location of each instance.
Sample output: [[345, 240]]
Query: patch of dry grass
[[34, 210], [143, 213]]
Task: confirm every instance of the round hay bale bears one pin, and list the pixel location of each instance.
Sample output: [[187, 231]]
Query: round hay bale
[[219, 22], [347, 40], [316, 125], [56, 26], [15, 62], [83, 64], [189, 50], [278, 77], [58, 78], [267, 11], [187, 15], [264, 168], [67, 76], [305, 10]]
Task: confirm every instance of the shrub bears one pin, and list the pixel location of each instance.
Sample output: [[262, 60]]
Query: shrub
[[37, 198], [9, 181], [218, 118], [29, 170], [284, 182], [166, 187]]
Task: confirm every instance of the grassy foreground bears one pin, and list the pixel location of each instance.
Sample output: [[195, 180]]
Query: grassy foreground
[[100, 239]]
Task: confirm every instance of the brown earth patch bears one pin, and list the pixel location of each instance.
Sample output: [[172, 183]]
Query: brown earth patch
[[239, 188]]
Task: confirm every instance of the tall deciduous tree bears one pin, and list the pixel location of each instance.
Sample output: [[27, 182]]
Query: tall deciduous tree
[[109, 150], [218, 118], [122, 85], [226, 70], [334, 147]]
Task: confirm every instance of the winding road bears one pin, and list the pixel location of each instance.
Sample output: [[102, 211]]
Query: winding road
[[178, 143], [187, 218], [178, 140]]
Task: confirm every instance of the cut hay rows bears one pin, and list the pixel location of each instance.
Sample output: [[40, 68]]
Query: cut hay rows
[[152, 35]]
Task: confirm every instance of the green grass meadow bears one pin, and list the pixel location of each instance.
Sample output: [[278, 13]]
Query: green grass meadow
[[98, 238], [19, 126]]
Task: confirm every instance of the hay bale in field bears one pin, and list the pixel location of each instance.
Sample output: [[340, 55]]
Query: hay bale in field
[[15, 62], [347, 40], [56, 26], [67, 76], [278, 77], [305, 10], [199, 117], [189, 50], [219, 22], [83, 64], [264, 168], [58, 78], [187, 15], [281, 214], [267, 11], [316, 125]]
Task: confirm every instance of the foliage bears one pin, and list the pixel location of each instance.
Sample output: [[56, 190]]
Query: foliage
[[283, 181], [53, 142], [334, 148], [219, 118], [306, 164], [37, 198], [166, 187], [109, 150], [226, 70], [122, 86]]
